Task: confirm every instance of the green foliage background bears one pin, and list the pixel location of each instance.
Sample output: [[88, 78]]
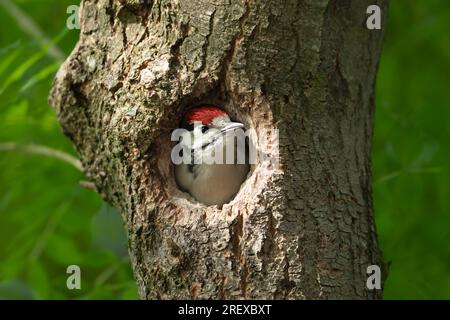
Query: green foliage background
[[47, 221]]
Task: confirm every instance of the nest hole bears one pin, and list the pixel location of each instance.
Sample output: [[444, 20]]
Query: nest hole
[[258, 173]]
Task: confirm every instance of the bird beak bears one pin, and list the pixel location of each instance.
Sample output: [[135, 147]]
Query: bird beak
[[232, 126]]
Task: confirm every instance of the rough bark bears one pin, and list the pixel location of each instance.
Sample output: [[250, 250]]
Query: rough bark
[[304, 67]]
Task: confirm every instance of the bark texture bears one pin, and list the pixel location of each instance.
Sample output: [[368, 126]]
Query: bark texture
[[303, 230]]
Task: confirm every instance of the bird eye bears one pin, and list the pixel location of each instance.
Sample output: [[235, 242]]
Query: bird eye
[[204, 129]]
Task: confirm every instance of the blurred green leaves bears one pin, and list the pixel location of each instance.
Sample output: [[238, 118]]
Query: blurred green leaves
[[411, 154], [47, 221]]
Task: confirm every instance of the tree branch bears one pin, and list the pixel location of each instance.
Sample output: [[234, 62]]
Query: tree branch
[[43, 151]]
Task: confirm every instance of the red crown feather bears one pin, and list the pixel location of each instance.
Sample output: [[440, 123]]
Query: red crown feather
[[204, 114]]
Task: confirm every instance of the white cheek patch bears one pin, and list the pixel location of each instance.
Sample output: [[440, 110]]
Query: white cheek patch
[[220, 121]]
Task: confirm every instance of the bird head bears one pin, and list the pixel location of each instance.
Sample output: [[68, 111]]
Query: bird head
[[207, 124]]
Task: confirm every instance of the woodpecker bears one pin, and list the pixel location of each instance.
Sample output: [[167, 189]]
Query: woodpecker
[[210, 133]]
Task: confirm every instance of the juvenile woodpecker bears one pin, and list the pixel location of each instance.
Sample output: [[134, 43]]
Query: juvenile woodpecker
[[211, 135]]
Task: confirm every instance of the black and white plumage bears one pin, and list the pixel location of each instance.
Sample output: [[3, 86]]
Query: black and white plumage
[[210, 133]]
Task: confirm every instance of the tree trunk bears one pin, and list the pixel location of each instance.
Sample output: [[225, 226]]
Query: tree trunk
[[300, 230]]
